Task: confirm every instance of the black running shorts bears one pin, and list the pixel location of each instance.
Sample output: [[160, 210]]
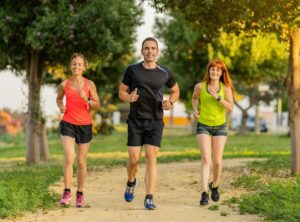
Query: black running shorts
[[81, 133], [144, 131]]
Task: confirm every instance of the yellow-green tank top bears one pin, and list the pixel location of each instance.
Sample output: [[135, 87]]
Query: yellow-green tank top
[[212, 112]]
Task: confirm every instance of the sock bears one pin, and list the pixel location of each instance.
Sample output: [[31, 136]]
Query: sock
[[79, 192], [149, 196], [131, 184], [67, 190]]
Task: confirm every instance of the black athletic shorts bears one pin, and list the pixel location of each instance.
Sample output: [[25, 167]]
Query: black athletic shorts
[[144, 131], [81, 133]]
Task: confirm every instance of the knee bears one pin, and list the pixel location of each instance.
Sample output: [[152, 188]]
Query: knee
[[150, 158], [69, 160], [133, 161], [217, 164], [81, 164], [205, 160]]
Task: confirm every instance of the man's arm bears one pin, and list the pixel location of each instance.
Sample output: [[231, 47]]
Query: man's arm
[[124, 94], [174, 96]]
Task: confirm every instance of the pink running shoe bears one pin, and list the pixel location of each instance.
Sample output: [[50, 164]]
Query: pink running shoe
[[66, 198], [79, 200]]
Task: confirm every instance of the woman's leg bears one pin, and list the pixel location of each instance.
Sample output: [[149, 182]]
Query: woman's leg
[[204, 142], [218, 144], [68, 144], [81, 164]]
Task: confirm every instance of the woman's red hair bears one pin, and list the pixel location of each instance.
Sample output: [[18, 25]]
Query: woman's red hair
[[225, 77]]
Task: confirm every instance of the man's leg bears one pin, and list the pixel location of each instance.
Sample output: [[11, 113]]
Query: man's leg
[[134, 153], [151, 153], [150, 175]]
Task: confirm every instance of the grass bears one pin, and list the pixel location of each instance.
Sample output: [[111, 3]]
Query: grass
[[25, 188], [271, 191]]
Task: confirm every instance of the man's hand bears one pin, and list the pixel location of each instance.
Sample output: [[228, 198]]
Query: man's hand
[[167, 104], [133, 96]]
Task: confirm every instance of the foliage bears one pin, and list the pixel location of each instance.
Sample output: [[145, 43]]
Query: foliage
[[274, 195], [250, 60], [237, 15], [26, 189], [58, 28], [185, 52], [39, 37]]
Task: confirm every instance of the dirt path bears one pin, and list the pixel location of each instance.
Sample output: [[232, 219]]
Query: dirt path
[[177, 197]]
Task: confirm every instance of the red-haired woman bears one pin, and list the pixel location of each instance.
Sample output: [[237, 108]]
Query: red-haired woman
[[212, 98]]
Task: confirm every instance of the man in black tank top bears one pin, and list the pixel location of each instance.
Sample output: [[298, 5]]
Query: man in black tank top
[[143, 86]]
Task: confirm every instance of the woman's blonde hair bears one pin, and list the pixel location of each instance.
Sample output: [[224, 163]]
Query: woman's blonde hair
[[76, 54]]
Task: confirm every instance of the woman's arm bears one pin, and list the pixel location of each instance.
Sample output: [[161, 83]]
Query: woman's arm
[[227, 102], [60, 97], [94, 101], [195, 99]]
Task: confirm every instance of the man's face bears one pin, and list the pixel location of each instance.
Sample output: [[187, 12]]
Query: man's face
[[149, 51]]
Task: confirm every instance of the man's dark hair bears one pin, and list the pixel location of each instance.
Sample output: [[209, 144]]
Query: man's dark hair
[[150, 39]]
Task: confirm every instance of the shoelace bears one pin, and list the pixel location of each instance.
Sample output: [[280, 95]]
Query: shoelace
[[130, 189], [66, 195], [79, 198], [149, 201]]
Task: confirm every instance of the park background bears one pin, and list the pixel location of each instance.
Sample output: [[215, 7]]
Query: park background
[[258, 59]]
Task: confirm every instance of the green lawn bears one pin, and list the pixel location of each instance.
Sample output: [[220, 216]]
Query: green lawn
[[18, 190]]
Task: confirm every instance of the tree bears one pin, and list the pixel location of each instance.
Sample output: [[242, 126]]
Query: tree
[[253, 61], [37, 35], [185, 53], [280, 16]]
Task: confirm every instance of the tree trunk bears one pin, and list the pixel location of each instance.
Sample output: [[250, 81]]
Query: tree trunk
[[257, 127], [34, 80], [279, 112], [44, 154], [243, 127], [294, 98]]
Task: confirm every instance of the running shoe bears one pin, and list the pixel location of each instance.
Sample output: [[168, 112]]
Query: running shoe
[[215, 196], [65, 198], [204, 198], [149, 205], [79, 200], [129, 192]]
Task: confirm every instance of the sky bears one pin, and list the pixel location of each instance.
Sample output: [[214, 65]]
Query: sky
[[13, 90]]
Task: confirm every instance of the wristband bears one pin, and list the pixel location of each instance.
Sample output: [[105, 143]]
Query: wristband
[[171, 102], [219, 98]]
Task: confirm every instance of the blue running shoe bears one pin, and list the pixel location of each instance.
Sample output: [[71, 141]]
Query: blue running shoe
[[129, 192], [149, 205]]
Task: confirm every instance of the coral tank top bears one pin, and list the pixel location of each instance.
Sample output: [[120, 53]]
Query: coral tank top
[[77, 110]]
